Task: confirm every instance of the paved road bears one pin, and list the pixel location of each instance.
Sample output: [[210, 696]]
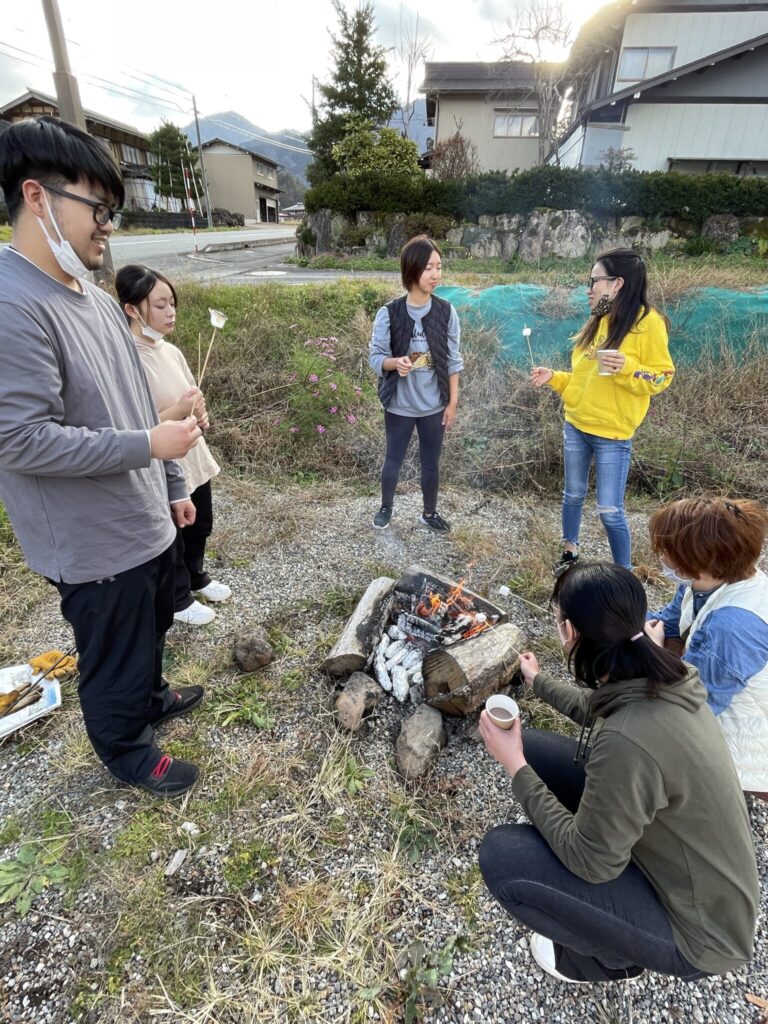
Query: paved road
[[174, 256]]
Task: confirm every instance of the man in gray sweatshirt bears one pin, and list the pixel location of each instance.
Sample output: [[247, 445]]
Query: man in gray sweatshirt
[[86, 470]]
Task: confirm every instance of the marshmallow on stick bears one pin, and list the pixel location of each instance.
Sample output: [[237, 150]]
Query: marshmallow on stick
[[218, 319], [527, 336]]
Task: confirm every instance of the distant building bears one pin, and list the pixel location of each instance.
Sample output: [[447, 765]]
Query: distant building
[[129, 147], [241, 181], [295, 212], [494, 106], [682, 85]]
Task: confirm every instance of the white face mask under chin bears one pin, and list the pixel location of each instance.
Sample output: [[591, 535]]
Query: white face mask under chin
[[149, 332], [672, 574], [62, 251]]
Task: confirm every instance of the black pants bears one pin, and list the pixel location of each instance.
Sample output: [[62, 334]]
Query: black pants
[[601, 932], [399, 430], [190, 549], [119, 625]]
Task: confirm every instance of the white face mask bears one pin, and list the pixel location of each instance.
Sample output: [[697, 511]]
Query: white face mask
[[62, 251], [672, 574], [149, 332]]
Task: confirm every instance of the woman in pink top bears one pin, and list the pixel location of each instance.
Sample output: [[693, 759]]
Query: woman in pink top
[[149, 302]]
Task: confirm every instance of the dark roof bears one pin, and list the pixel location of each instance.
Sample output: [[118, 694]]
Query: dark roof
[[475, 76], [242, 149], [33, 94], [673, 74]]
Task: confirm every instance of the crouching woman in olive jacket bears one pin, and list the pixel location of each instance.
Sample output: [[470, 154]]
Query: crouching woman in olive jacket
[[639, 853]]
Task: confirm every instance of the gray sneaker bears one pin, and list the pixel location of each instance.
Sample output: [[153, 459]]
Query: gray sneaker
[[382, 517]]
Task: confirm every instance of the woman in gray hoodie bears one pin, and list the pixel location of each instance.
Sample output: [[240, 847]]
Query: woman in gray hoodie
[[639, 853]]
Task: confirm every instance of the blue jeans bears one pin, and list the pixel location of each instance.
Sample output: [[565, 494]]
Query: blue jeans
[[611, 470], [601, 931]]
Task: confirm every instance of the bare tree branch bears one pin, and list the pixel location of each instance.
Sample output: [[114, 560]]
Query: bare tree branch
[[413, 48], [538, 29]]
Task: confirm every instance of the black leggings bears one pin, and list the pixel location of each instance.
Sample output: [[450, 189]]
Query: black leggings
[[399, 430], [190, 549]]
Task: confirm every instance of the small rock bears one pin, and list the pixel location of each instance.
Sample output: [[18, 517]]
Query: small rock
[[253, 650], [420, 741], [190, 828], [175, 863], [359, 697]]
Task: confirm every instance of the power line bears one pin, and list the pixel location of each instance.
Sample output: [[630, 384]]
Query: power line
[[102, 83], [261, 138]]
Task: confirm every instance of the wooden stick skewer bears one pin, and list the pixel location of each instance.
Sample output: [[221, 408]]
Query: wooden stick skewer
[[207, 355]]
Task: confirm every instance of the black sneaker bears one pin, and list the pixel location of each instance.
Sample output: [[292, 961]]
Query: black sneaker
[[435, 522], [567, 559], [170, 777], [382, 517], [187, 697]]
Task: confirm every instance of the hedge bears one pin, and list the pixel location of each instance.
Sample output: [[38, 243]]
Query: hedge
[[602, 193]]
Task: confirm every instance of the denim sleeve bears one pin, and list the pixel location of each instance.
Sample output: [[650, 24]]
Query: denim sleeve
[[730, 647], [670, 614], [455, 362], [381, 342]]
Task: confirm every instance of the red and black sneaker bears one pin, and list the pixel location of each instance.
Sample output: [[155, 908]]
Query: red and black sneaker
[[187, 698], [170, 777]]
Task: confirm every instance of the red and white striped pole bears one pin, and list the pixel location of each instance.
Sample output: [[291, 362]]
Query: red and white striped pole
[[190, 204]]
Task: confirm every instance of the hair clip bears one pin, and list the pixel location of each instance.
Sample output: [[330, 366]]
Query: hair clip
[[637, 636]]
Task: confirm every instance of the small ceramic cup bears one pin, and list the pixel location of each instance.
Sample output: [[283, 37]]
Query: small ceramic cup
[[502, 710]]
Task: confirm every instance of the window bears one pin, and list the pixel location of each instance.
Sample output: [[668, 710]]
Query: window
[[515, 124], [638, 62], [130, 154]]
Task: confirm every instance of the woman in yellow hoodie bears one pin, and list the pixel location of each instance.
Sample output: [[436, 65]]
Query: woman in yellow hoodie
[[606, 400]]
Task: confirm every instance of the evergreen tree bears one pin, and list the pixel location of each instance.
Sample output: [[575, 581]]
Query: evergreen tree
[[358, 86], [171, 150]]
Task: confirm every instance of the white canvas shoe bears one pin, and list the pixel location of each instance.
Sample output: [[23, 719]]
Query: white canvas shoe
[[543, 951], [215, 592], [196, 615]]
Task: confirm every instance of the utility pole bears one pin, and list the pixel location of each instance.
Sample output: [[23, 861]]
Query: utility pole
[[68, 100], [202, 167]]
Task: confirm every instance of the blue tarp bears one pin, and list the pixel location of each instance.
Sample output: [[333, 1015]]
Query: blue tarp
[[700, 320]]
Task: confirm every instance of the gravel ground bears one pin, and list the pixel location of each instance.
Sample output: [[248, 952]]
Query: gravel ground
[[87, 951]]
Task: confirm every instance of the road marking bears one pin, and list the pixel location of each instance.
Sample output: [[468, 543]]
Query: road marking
[[267, 273]]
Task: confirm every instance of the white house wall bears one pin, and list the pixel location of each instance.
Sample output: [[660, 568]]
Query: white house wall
[[474, 118], [694, 35], [686, 131]]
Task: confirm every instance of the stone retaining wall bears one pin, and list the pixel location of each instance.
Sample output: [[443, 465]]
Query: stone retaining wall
[[568, 234]]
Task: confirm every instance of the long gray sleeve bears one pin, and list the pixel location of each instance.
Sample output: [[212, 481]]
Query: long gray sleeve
[[83, 493]]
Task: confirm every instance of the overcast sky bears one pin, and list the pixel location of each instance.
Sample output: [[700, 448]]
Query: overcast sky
[[257, 59]]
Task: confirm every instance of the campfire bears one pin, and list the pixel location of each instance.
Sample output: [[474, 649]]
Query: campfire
[[428, 639], [421, 621]]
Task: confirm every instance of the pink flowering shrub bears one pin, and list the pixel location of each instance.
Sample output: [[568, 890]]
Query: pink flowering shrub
[[322, 402]]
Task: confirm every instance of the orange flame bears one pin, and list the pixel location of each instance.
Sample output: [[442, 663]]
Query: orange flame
[[425, 610], [475, 628]]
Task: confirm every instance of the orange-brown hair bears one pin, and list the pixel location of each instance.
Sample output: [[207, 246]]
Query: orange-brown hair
[[414, 258], [719, 536]]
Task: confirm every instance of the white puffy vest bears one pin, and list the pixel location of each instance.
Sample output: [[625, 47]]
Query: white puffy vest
[[745, 720]]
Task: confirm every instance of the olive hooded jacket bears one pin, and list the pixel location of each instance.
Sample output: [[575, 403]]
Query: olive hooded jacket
[[662, 791]]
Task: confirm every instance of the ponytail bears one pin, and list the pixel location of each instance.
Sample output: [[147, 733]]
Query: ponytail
[[607, 606]]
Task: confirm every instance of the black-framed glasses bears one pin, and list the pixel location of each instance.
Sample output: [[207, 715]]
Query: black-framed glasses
[[101, 212], [601, 277]]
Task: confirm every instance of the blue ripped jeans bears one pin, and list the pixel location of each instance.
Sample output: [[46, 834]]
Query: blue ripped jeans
[[611, 470]]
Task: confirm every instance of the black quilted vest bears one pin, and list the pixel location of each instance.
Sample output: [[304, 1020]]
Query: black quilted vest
[[435, 325]]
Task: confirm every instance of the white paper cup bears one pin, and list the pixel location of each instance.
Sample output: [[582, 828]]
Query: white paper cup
[[502, 710], [602, 371]]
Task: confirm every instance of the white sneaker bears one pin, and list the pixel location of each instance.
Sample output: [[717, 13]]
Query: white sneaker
[[216, 591], [196, 615], [543, 952]]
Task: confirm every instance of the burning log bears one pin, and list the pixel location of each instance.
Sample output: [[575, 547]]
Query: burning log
[[458, 681], [353, 650]]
